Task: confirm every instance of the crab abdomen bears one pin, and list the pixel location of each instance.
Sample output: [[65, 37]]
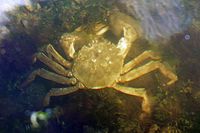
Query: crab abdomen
[[98, 65]]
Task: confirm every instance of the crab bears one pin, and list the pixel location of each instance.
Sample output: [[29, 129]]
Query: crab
[[98, 64]]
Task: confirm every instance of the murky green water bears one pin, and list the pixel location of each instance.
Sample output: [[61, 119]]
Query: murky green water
[[97, 66]]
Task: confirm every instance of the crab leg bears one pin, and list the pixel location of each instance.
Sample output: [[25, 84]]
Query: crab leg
[[50, 76], [142, 57], [59, 92], [149, 67], [140, 92], [51, 51], [53, 65]]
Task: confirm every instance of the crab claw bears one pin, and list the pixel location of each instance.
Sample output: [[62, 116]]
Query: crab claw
[[130, 33], [124, 44], [67, 43]]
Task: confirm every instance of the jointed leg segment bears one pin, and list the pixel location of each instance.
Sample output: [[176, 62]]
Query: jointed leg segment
[[140, 92], [57, 57], [50, 76], [139, 59], [59, 92], [53, 65], [149, 67]]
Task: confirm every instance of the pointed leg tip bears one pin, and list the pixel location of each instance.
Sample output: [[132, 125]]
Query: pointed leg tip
[[146, 108], [146, 112]]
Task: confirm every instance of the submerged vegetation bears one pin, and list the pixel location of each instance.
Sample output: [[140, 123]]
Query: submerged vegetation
[[174, 109]]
